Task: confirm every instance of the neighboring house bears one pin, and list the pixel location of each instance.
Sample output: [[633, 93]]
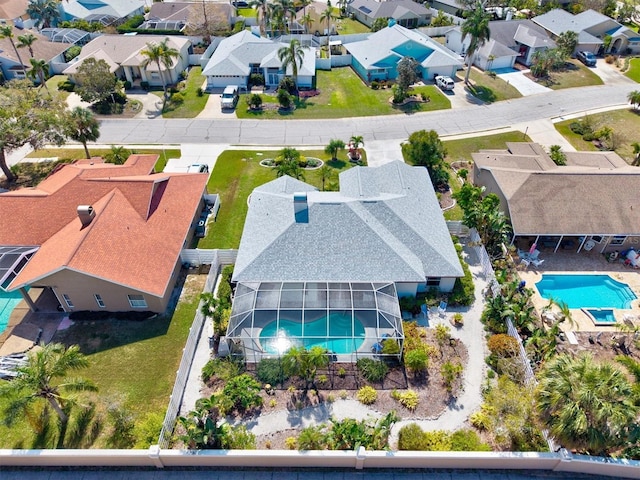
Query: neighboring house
[[318, 26], [592, 28], [407, 13], [67, 35], [243, 54], [16, 11], [107, 12], [377, 57], [43, 49], [510, 41], [100, 236], [594, 197], [307, 255], [122, 53], [452, 7], [181, 15]]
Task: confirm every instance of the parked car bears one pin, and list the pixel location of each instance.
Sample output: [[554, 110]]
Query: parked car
[[588, 58], [230, 97], [198, 168], [241, 4], [444, 82]]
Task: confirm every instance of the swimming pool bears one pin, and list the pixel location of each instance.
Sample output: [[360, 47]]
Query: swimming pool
[[600, 316], [8, 301], [333, 332], [586, 291]]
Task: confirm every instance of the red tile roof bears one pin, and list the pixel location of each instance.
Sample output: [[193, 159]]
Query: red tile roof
[[141, 221]]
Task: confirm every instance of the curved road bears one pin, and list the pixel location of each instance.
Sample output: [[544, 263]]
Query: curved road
[[474, 118]]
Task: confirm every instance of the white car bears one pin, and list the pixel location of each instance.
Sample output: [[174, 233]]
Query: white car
[[445, 83]]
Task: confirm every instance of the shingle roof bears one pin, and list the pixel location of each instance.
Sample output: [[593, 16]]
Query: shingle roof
[[43, 48], [11, 9], [595, 194], [135, 239], [389, 8], [385, 224], [558, 21]]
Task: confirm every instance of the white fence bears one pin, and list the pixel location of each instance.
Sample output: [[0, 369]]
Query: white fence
[[359, 459], [218, 258]]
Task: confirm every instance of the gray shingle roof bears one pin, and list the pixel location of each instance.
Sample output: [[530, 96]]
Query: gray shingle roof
[[389, 8], [385, 224], [558, 21]]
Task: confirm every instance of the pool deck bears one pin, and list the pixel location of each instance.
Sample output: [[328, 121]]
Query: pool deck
[[27, 328], [586, 263]]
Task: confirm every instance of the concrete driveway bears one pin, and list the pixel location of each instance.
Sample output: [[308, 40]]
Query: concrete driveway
[[522, 83], [609, 74]]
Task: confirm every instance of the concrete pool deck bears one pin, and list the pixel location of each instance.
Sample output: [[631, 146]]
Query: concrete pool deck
[[585, 263]]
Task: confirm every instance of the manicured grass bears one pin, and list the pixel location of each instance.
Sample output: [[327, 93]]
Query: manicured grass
[[489, 89], [634, 70], [247, 12], [461, 150], [575, 74], [626, 123], [236, 174], [52, 85], [193, 104], [343, 94], [76, 154], [346, 26]]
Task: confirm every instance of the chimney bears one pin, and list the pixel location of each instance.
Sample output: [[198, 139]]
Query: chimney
[[300, 207], [85, 214]]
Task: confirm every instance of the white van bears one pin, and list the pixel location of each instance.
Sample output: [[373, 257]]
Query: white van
[[230, 97]]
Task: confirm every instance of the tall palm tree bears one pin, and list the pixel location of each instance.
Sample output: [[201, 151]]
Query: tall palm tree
[[292, 56], [262, 7], [277, 19], [288, 9], [475, 26], [307, 21], [44, 377], [26, 41], [44, 12], [304, 4], [162, 55], [39, 71], [586, 405], [328, 15], [83, 127], [6, 31]]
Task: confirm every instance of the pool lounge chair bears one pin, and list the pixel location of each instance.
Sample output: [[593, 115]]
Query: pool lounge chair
[[442, 309]]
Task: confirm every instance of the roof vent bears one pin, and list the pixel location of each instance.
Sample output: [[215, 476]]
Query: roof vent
[[85, 214], [300, 207]]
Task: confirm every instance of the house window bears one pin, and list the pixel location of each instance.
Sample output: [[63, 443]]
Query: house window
[[67, 300], [99, 300], [433, 282], [618, 240], [137, 301], [596, 238]]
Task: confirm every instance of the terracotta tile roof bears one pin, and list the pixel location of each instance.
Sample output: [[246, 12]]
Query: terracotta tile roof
[[135, 238]]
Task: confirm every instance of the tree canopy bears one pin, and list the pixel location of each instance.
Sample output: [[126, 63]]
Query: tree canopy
[[95, 82], [426, 149], [476, 26]]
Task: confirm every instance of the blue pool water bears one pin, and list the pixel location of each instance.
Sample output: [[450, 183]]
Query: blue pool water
[[337, 337], [586, 291], [601, 316], [8, 301]]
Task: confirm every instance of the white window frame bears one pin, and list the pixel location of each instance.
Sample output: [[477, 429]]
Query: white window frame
[[618, 240], [99, 300], [431, 282], [137, 301], [67, 300]]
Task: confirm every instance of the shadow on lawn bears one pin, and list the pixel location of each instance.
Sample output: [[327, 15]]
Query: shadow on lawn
[[483, 93]]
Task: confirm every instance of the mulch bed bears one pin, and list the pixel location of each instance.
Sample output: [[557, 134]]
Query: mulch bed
[[602, 348]]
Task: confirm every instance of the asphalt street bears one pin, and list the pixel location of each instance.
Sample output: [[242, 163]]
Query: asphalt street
[[475, 118]]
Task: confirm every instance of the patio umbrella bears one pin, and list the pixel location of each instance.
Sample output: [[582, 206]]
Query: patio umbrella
[[533, 248]]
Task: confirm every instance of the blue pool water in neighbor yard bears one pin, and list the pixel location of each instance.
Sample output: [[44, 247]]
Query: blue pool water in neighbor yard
[[8, 301], [339, 337], [600, 316], [586, 291]]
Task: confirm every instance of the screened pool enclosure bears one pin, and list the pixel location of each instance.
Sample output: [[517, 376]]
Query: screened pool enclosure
[[350, 320]]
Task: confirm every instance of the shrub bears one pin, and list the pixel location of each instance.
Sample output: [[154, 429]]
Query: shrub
[[375, 85], [291, 443], [199, 92], [502, 345], [287, 84], [372, 370], [239, 438], [557, 155], [463, 289], [467, 441], [451, 372], [411, 437], [367, 395], [491, 74], [254, 101], [127, 85], [144, 85], [284, 99], [177, 98], [408, 399], [72, 53], [269, 370], [66, 85], [148, 429], [240, 393], [609, 59], [238, 27], [416, 360], [312, 438], [480, 419], [390, 347], [256, 79]]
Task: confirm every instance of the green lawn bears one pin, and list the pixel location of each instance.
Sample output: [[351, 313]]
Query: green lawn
[[634, 70], [626, 124], [236, 174], [193, 104], [461, 150], [347, 26], [247, 12], [343, 94], [574, 75], [52, 85], [489, 89], [70, 154]]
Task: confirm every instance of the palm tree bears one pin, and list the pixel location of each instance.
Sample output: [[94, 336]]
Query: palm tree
[[162, 55], [636, 152], [39, 70], [277, 19], [262, 7], [289, 163], [304, 4], [287, 8], [45, 377], [634, 99], [357, 141], [334, 147], [83, 127], [303, 363], [214, 309], [26, 41], [328, 15], [117, 155], [6, 31], [326, 174], [585, 405], [475, 26], [292, 56], [44, 12], [307, 21]]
